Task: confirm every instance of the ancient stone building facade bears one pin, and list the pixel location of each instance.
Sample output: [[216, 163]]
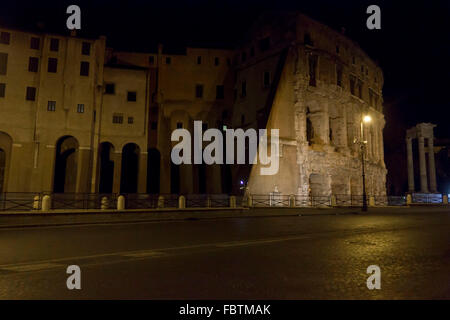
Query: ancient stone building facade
[[99, 120]]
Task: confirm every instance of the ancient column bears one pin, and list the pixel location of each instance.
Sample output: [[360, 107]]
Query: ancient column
[[423, 166], [431, 165], [410, 162]]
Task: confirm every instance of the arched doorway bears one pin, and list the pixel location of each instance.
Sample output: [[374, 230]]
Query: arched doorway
[[130, 167], [174, 178], [106, 168], [66, 162], [153, 171]]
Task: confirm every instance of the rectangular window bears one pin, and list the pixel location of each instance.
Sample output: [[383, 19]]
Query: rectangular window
[[5, 37], [35, 43], [339, 75], [266, 79], [118, 118], [352, 84], [110, 88], [2, 90], [131, 96], [130, 120], [199, 60], [84, 68], [168, 60], [243, 89], [52, 65], [360, 85], [312, 70], [54, 44], [308, 40], [151, 60], [3, 63], [220, 92], [31, 93], [199, 91], [86, 48], [80, 108], [33, 63], [51, 106], [179, 125], [216, 61]]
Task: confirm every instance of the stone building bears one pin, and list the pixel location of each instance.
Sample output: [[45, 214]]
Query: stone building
[[76, 116]]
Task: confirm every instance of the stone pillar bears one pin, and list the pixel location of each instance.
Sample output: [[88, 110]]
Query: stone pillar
[[117, 171], [83, 170], [423, 166], [409, 154], [431, 165], [142, 173]]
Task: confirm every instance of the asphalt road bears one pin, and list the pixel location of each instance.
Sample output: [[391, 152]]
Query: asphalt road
[[313, 257]]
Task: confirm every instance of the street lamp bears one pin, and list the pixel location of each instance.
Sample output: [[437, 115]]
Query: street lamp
[[365, 120]]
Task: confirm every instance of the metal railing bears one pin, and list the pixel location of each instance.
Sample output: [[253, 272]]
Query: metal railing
[[427, 198], [20, 201]]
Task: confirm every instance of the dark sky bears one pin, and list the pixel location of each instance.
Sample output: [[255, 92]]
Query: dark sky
[[413, 46]]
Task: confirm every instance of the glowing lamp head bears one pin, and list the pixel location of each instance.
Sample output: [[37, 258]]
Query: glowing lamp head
[[367, 119], [241, 182]]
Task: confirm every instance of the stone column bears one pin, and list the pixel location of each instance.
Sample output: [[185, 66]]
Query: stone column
[[431, 165], [423, 166], [410, 162], [83, 170]]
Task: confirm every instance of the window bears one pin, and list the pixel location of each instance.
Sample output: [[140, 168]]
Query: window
[[266, 79], [337, 49], [199, 91], [353, 60], [154, 125], [179, 125], [130, 120], [80, 108], [264, 44], [33, 63], [352, 84], [131, 96], [5, 37], [118, 118], [360, 85], [52, 65], [243, 89], [199, 60], [216, 61], [151, 60], [110, 88], [54, 44], [168, 60], [35, 43], [51, 106], [86, 48], [220, 93], [307, 40], [2, 90], [31, 93], [84, 68], [312, 69], [3, 62], [339, 75]]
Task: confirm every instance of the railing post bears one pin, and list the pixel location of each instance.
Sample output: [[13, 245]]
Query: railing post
[[445, 199], [208, 202], [333, 201], [46, 203], [249, 201], [121, 203], [161, 202], [292, 200], [181, 202], [408, 199], [36, 201], [371, 201], [232, 202], [104, 203]]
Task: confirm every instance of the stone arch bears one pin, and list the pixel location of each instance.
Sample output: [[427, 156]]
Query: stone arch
[[5, 155], [153, 170], [66, 165], [130, 168], [106, 180]]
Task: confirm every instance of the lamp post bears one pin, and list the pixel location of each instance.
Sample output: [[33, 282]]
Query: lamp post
[[365, 119]]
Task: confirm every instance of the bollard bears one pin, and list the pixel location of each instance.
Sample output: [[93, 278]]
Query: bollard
[[36, 201], [46, 203], [445, 199], [181, 202], [161, 202], [371, 201], [232, 202], [104, 203], [121, 203], [292, 200], [249, 201], [408, 199], [333, 200], [208, 202]]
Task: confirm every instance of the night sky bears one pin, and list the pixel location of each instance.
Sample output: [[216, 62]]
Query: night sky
[[412, 48]]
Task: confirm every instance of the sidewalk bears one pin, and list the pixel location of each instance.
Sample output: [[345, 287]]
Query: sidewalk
[[86, 217]]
